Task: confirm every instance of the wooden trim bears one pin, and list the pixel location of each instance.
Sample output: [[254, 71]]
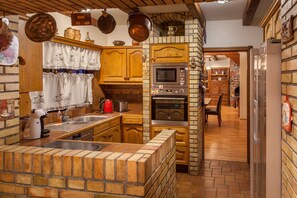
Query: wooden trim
[[197, 13], [250, 11], [239, 49], [271, 11], [67, 41], [122, 47], [227, 49]]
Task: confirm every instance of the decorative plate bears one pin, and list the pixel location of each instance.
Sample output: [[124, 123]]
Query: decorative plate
[[287, 115], [41, 27]]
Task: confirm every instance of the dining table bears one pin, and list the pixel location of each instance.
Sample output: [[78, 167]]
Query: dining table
[[207, 101]]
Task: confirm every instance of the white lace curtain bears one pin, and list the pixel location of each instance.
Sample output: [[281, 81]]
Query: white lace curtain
[[62, 90], [61, 56]]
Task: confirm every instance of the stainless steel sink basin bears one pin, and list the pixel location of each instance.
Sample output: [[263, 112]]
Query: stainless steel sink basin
[[75, 145], [90, 118]]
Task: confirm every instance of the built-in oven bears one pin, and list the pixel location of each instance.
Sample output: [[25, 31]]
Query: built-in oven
[[168, 110]]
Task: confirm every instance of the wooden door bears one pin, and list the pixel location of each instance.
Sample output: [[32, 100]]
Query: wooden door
[[134, 65], [166, 53], [102, 137], [31, 73], [113, 65], [132, 133], [182, 155], [115, 134]]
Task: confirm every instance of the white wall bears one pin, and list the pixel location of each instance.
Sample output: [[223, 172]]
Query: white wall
[[119, 33], [64, 22], [231, 33], [243, 85]]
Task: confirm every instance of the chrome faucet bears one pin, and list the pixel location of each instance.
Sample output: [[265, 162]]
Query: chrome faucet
[[65, 117]]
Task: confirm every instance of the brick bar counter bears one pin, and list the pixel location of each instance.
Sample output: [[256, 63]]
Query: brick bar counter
[[48, 172]]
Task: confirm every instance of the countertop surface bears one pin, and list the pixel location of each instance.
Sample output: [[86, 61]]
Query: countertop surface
[[134, 109]]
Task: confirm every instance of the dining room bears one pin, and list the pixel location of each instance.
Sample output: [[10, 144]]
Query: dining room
[[226, 121]]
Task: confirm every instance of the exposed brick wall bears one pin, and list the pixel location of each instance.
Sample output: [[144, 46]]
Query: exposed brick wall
[[289, 82], [9, 89], [193, 36], [48, 172]]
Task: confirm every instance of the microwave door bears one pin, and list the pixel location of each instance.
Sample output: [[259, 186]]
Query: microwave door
[[166, 75]]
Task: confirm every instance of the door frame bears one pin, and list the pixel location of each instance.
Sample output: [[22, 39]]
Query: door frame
[[237, 49]]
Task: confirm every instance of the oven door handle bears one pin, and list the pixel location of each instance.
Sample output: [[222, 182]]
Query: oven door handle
[[162, 98]]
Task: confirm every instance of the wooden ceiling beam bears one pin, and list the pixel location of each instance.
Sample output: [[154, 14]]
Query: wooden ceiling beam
[[250, 11], [197, 13]]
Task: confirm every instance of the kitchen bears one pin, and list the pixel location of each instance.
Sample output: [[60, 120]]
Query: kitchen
[[195, 124]]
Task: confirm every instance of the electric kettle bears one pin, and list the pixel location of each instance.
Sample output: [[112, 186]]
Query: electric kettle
[[107, 106]]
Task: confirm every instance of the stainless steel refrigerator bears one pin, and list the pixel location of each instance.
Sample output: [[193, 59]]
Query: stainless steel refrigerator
[[265, 117]]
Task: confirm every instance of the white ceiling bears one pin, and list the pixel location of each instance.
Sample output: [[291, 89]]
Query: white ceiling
[[233, 10]]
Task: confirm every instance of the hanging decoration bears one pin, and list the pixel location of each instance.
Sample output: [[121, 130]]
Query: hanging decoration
[[287, 115]]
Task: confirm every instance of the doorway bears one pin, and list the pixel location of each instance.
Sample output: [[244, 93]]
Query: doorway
[[230, 141]]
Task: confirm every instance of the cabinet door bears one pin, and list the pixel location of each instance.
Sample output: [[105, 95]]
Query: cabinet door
[[181, 134], [132, 133], [113, 65], [134, 65], [25, 105], [182, 155], [115, 134], [31, 72], [167, 53], [102, 137]]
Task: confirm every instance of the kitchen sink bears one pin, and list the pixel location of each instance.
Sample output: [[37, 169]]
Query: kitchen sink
[[90, 118], [66, 126], [75, 145]]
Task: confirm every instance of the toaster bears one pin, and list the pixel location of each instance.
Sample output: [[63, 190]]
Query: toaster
[[121, 106]]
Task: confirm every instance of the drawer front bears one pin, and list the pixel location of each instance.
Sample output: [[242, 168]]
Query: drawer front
[[101, 128], [182, 155], [181, 134], [132, 119], [114, 122]]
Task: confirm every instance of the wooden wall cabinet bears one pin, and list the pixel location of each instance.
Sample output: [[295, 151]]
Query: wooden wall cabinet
[[108, 132], [132, 129], [121, 65], [218, 82], [182, 142], [166, 53]]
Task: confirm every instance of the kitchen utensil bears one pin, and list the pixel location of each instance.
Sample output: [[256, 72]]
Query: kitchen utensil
[[106, 23], [118, 43], [120, 106], [140, 26], [41, 27], [5, 36], [107, 107]]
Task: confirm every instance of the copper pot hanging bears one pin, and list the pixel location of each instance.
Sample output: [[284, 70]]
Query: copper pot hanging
[[140, 26], [106, 23], [5, 36], [41, 27]]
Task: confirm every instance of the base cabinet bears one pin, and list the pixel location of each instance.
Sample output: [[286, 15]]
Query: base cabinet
[[132, 133], [108, 132], [182, 142]]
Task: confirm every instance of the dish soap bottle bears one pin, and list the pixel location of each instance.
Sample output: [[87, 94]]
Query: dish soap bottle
[[59, 117]]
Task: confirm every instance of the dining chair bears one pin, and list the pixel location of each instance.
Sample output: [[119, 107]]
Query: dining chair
[[215, 110]]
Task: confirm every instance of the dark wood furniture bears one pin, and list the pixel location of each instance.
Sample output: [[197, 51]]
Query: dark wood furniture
[[215, 110]]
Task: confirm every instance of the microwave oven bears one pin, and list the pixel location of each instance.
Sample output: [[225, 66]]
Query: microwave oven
[[175, 74]]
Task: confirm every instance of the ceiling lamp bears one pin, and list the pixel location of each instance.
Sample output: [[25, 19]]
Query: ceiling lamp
[[222, 1]]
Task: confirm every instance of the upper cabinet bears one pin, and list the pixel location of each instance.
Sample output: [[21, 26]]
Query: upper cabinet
[[272, 22], [31, 72], [121, 65], [166, 53]]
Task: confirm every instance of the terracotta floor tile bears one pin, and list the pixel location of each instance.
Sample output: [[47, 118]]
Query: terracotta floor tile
[[220, 179]]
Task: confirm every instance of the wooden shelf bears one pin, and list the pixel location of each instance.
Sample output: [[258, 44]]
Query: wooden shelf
[[219, 75], [72, 42]]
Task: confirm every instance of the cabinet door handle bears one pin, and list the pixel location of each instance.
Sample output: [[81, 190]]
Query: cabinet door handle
[[126, 78]]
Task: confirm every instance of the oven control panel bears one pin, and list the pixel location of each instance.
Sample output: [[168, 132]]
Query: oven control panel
[[160, 90]]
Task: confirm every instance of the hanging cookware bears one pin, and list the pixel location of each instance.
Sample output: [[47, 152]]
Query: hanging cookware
[[5, 36], [106, 23], [41, 27], [140, 26]]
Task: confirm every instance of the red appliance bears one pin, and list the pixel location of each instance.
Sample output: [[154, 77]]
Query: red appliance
[[107, 107]]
